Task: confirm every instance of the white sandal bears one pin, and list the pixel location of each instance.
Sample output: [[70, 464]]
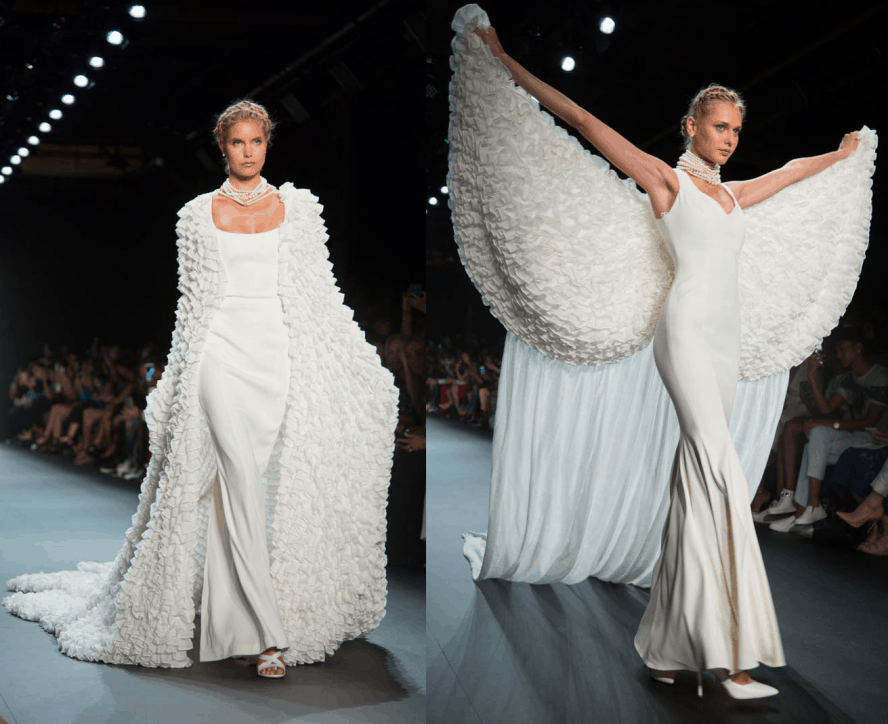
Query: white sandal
[[271, 661]]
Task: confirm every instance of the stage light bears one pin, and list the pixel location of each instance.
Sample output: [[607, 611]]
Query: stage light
[[97, 61], [137, 11], [44, 127], [607, 25], [55, 114], [14, 96], [115, 37], [433, 201], [23, 152], [67, 99], [15, 160], [81, 81], [568, 63], [6, 170], [2, 180], [445, 190], [33, 140]]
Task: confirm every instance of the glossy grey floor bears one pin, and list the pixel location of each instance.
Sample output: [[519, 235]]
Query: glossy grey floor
[[53, 515], [559, 654]]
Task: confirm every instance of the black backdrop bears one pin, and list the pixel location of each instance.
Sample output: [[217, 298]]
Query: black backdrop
[[85, 257], [809, 73]]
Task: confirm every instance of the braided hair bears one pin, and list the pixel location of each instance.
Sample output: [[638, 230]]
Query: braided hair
[[699, 107], [240, 111]]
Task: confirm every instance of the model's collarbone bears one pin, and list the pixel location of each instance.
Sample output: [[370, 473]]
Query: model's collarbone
[[262, 216]]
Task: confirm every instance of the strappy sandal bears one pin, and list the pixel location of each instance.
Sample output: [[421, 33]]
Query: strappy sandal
[[271, 661]]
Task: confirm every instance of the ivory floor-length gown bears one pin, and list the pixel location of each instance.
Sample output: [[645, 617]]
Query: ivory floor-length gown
[[710, 601], [242, 389]]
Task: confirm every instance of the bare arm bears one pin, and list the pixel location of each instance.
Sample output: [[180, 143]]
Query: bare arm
[[758, 189], [649, 172], [824, 406]]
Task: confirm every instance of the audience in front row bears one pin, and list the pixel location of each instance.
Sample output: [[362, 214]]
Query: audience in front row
[[846, 428]]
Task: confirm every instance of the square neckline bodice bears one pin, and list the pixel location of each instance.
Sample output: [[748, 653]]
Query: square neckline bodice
[[248, 233]]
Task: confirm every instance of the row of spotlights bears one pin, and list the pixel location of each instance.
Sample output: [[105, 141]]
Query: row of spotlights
[[115, 37]]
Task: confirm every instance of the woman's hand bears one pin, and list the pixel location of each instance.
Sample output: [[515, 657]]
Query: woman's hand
[[412, 441], [491, 40], [880, 436], [849, 144]]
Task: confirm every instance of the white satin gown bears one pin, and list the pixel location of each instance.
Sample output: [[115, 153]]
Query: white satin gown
[[242, 389], [710, 603]]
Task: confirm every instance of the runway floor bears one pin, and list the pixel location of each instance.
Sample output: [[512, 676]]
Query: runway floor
[[559, 654], [53, 515]]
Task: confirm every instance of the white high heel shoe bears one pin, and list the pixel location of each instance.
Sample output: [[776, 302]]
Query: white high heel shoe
[[752, 690], [661, 679]]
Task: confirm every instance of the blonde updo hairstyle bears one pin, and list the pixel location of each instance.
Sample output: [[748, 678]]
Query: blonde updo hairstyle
[[241, 111], [700, 105]]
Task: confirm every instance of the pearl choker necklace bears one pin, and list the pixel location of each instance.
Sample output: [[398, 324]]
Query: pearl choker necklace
[[696, 166], [246, 198]]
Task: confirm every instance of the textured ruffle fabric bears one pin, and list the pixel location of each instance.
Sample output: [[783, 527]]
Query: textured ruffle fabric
[[569, 257], [327, 482]]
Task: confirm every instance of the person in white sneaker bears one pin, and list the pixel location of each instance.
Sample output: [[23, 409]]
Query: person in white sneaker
[[797, 409], [865, 388]]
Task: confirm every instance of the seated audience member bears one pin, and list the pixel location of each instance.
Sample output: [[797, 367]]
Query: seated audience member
[[856, 478], [864, 387], [799, 406]]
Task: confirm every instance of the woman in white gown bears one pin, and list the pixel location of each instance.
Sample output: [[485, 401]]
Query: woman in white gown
[[263, 505], [242, 388], [710, 604]]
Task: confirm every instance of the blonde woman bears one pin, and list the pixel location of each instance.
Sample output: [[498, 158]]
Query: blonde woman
[[263, 505], [710, 605]]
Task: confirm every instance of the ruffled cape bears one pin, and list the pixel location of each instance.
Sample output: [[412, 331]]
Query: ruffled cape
[[326, 484], [569, 257]]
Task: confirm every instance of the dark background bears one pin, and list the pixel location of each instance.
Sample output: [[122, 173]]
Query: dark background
[[87, 222], [809, 72]]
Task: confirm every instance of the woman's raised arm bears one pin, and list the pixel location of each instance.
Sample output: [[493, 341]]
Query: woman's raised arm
[[756, 190], [649, 172]]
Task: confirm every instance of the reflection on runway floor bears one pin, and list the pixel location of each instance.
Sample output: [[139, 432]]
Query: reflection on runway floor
[[513, 652]]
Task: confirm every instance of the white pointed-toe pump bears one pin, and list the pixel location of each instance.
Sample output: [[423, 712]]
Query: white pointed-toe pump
[[752, 690]]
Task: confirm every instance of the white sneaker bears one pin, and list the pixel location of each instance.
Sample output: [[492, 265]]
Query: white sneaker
[[125, 467], [781, 506], [784, 524], [811, 515]]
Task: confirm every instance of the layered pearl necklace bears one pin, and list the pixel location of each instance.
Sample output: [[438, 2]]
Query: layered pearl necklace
[[696, 166], [246, 198]]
